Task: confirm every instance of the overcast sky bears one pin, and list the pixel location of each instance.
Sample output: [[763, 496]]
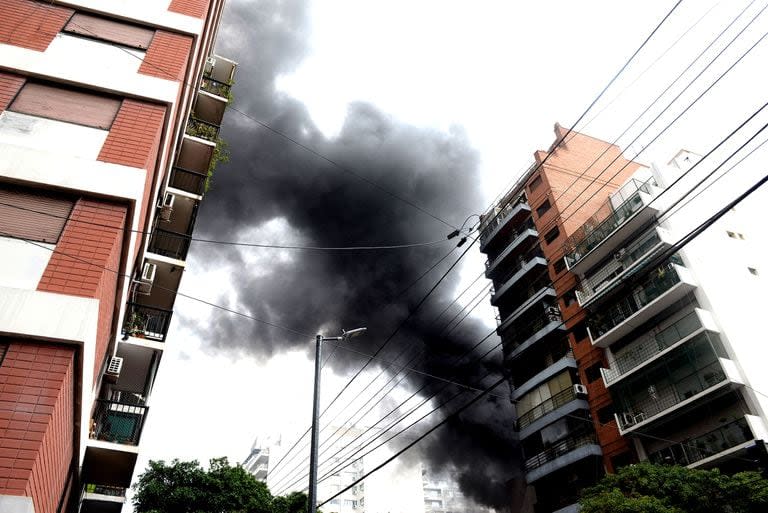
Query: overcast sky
[[465, 92]]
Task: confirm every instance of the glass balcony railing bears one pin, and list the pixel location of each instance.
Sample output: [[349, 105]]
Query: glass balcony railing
[[189, 181], [556, 401], [639, 352], [559, 449], [497, 217], [169, 244], [146, 322], [606, 220], [202, 129], [659, 281], [704, 446], [117, 422], [519, 230]]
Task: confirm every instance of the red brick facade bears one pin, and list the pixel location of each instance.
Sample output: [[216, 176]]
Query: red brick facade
[[135, 135], [31, 24], [36, 422], [167, 56], [9, 87], [78, 266], [195, 8]]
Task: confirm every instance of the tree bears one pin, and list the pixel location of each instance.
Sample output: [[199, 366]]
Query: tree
[[648, 488], [185, 487]]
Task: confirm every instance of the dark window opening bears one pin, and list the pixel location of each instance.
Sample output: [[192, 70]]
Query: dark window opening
[[559, 265], [552, 235], [580, 331], [569, 297], [605, 414], [535, 183], [592, 373], [543, 208]]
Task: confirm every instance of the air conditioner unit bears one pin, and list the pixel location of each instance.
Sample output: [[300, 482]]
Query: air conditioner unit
[[144, 284], [166, 207], [579, 389], [210, 62], [627, 419], [114, 367]]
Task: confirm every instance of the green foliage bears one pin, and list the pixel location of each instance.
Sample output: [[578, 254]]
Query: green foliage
[[648, 488], [185, 487], [220, 156]]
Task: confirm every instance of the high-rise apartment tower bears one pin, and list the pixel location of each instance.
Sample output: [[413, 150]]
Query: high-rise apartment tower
[[109, 128]]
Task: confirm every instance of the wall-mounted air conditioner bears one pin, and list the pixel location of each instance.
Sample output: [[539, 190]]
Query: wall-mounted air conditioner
[[627, 419], [579, 389], [144, 284], [166, 207], [114, 366]]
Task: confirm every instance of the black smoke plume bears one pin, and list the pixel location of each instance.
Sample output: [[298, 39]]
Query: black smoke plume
[[271, 179]]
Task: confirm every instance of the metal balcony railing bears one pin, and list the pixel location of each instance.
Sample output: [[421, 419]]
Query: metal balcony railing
[[202, 129], [117, 422], [657, 283], [532, 368], [559, 449], [217, 87], [703, 446], [656, 400], [550, 405], [170, 244], [526, 225], [112, 491], [189, 181], [519, 263], [496, 218], [146, 322], [640, 351], [606, 220], [552, 314]]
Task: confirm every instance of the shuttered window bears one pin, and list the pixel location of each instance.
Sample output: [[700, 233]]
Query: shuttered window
[[33, 215], [63, 104], [113, 31]]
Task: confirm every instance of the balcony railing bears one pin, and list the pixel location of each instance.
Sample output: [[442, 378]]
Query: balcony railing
[[704, 446], [643, 350], [170, 244], [519, 263], [559, 449], [202, 129], [552, 314], [147, 322], [550, 405], [526, 225], [189, 181], [117, 422], [656, 284], [112, 491], [606, 220], [497, 218], [660, 399], [532, 368], [217, 87]]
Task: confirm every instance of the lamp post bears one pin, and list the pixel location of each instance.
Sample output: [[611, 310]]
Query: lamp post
[[319, 339]]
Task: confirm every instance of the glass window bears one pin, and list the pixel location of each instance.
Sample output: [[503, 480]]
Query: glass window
[[535, 183], [552, 234], [543, 208]]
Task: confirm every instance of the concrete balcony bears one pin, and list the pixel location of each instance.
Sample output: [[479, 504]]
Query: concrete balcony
[[566, 362], [667, 402], [526, 232], [661, 288], [535, 295], [656, 344], [707, 449], [220, 69], [564, 453], [203, 129], [551, 410], [176, 213], [190, 172], [146, 322], [543, 328], [187, 181], [169, 244], [102, 499], [522, 267], [606, 230], [503, 222], [625, 261]]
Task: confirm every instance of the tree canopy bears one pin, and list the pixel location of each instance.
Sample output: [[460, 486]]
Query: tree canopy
[[186, 487], [648, 488]]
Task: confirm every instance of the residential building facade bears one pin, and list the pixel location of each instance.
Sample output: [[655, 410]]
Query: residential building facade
[[109, 123]]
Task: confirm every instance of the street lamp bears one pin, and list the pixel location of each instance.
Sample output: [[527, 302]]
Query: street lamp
[[319, 339]]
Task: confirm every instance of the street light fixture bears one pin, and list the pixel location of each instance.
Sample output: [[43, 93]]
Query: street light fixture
[[319, 339]]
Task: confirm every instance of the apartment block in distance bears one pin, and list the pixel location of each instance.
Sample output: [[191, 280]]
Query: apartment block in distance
[[109, 121], [683, 361], [541, 323]]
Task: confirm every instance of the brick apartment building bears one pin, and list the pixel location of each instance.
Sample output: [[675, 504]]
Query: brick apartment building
[[109, 117], [583, 305]]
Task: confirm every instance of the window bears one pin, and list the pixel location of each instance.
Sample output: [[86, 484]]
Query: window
[[592, 373], [559, 266], [605, 414], [64, 104], [552, 235], [569, 297], [95, 27], [543, 208], [3, 352], [736, 235], [621, 460], [535, 183], [580, 331], [753, 270], [32, 215]]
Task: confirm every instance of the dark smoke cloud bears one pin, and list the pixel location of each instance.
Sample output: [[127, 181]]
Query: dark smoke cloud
[[269, 178]]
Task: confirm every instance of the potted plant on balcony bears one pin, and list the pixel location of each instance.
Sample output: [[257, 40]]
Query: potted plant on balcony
[[136, 324]]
